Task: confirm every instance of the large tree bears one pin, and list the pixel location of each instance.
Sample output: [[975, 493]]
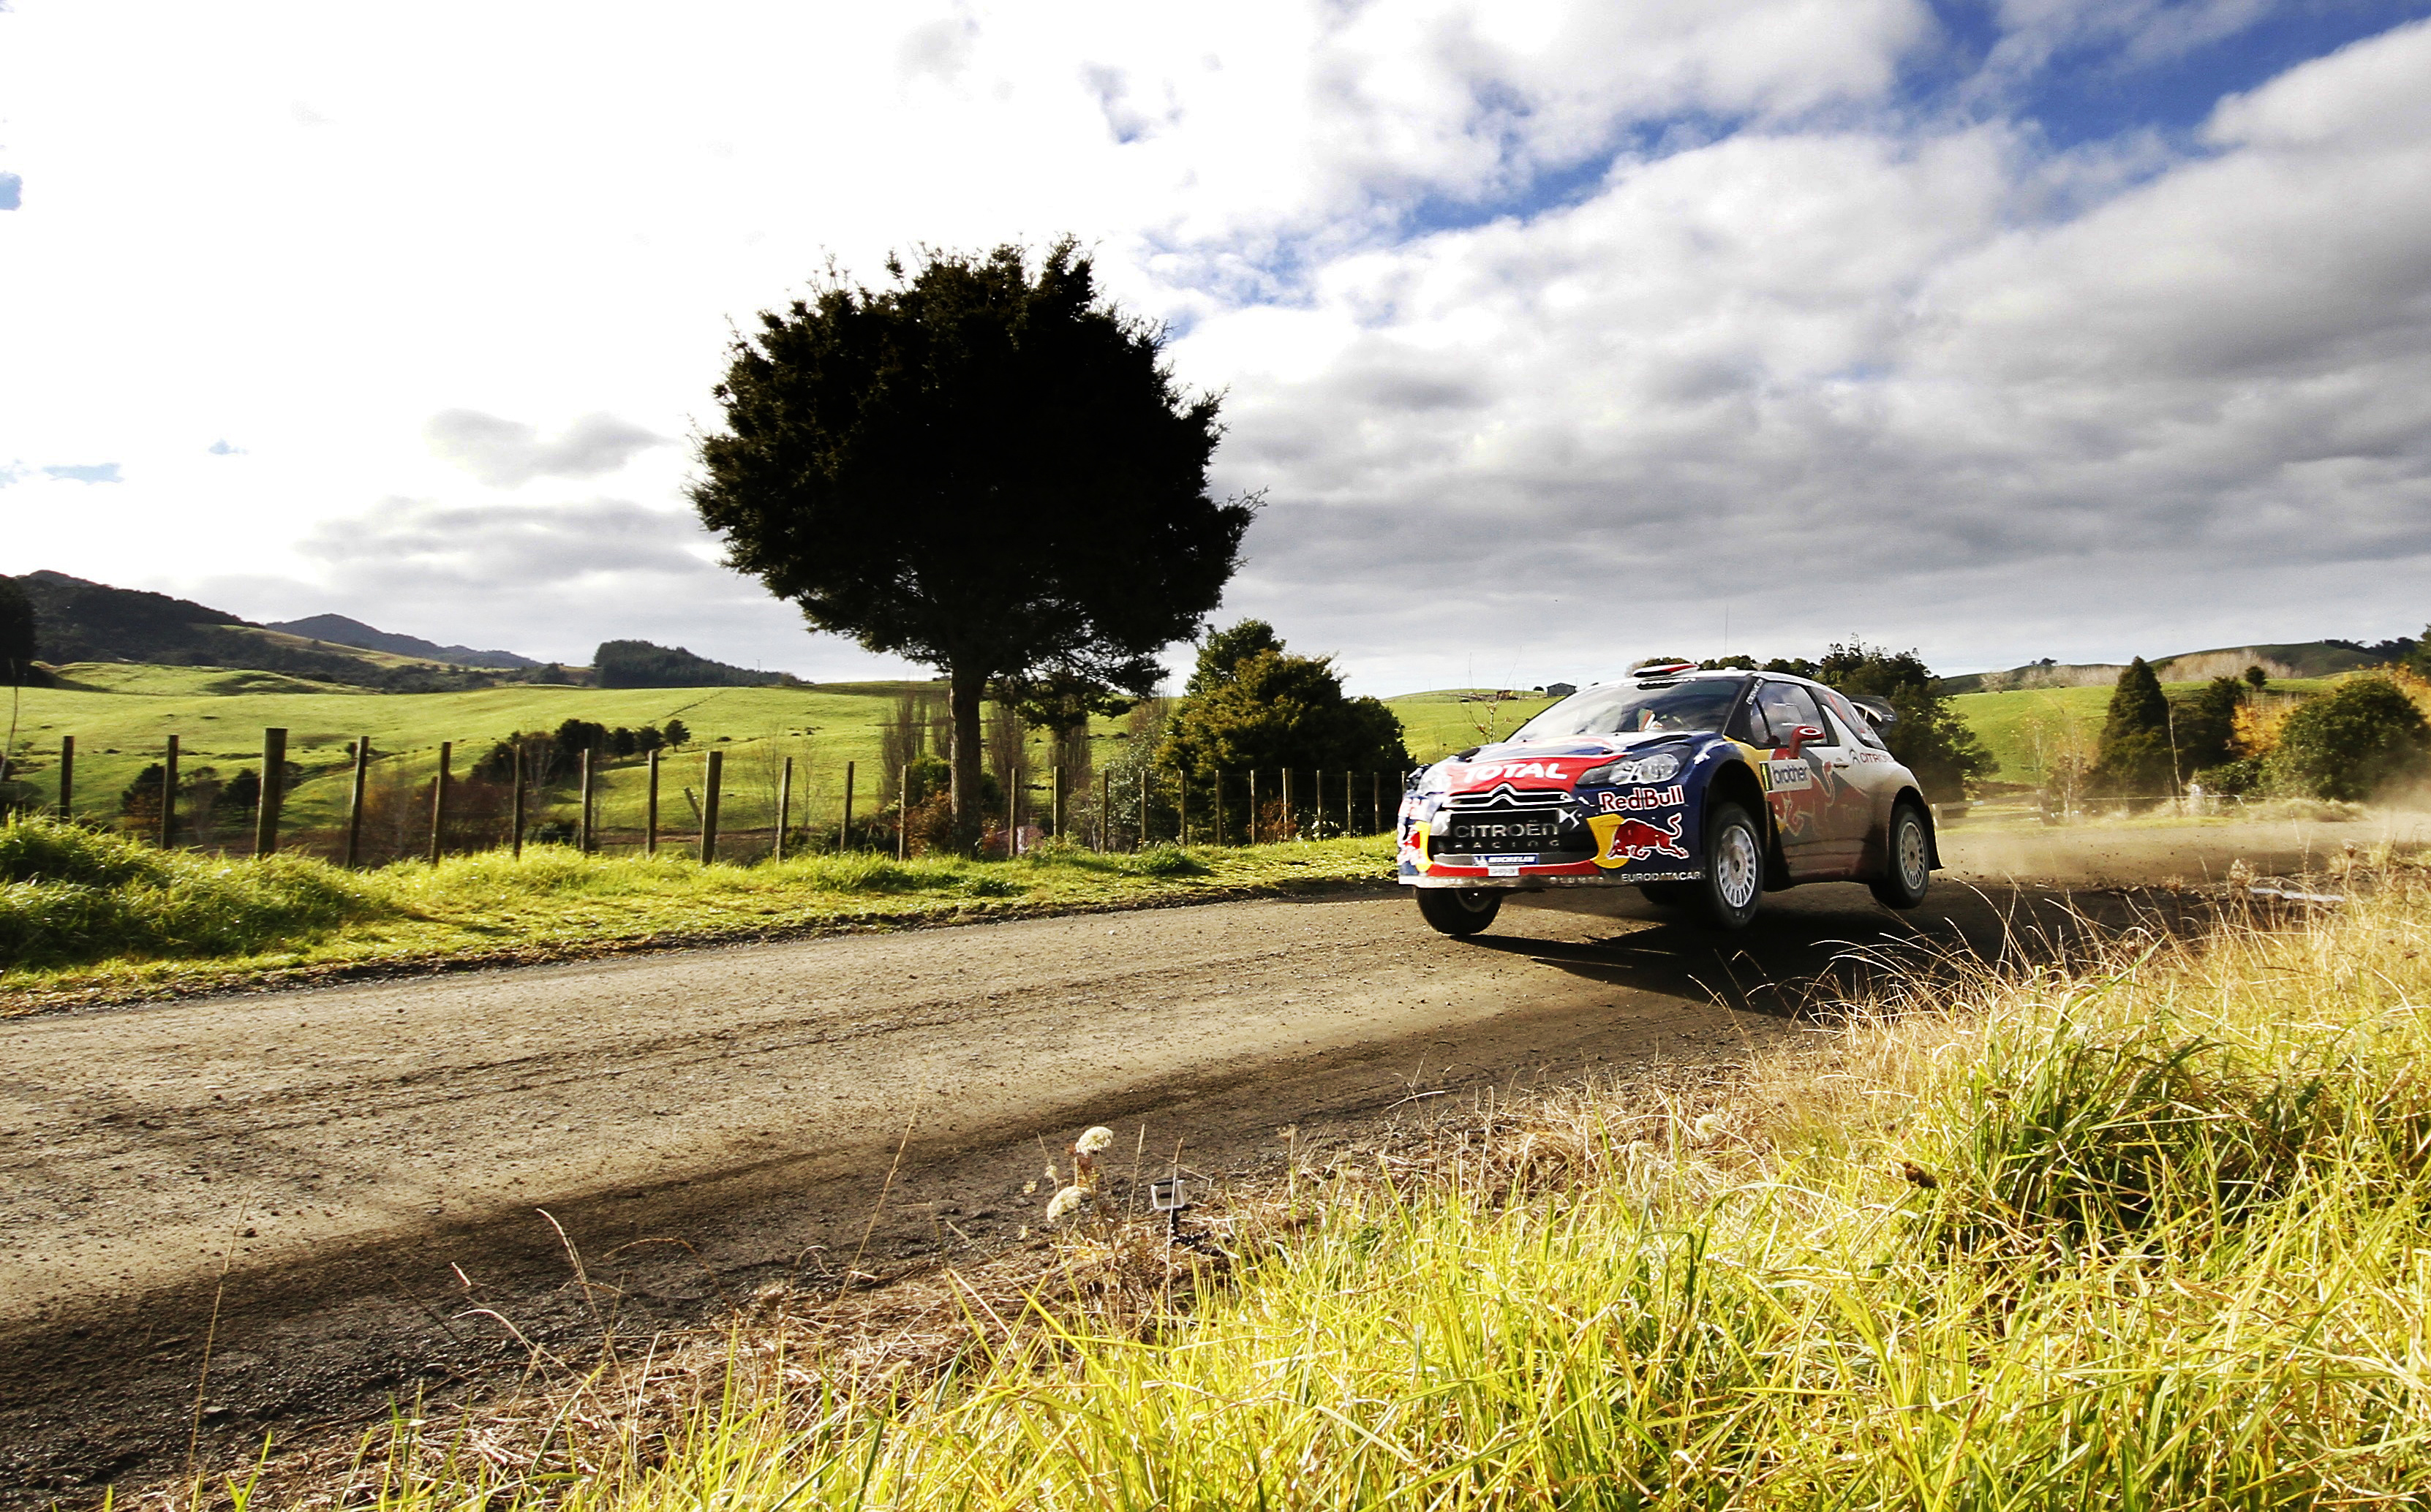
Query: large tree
[[986, 466]]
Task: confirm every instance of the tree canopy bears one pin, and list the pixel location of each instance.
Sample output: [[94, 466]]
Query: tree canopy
[[986, 466]]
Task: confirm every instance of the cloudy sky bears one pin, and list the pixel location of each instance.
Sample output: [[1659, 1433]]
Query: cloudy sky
[[1557, 334]]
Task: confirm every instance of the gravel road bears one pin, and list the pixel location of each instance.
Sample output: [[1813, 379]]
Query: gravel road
[[344, 1176]]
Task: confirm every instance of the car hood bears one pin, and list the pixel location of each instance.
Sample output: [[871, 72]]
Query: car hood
[[1552, 763]]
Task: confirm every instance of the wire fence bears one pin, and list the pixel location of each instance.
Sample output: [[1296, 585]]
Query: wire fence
[[746, 805]]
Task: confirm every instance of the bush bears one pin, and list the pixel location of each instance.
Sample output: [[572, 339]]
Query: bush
[[2354, 742], [1167, 860]]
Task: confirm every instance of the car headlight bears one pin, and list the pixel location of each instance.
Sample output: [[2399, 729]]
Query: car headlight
[[1659, 766], [1436, 778]]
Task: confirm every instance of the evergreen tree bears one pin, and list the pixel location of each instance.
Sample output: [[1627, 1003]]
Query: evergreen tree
[[2134, 759], [2206, 724]]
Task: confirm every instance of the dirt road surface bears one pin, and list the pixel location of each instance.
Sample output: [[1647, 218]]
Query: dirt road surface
[[365, 1185]]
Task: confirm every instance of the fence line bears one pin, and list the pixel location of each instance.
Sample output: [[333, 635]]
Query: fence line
[[176, 802]]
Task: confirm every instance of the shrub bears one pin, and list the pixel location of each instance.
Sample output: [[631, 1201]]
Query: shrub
[[2354, 742], [1167, 860]]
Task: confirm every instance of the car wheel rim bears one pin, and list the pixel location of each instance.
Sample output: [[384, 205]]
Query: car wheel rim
[[1911, 856], [1735, 867]]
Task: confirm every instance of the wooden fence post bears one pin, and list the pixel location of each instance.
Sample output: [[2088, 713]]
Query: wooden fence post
[[784, 807], [903, 817], [1142, 843], [274, 777], [650, 809], [355, 798], [1105, 810], [515, 822], [1055, 799], [1289, 817], [439, 796], [582, 813], [1254, 806], [709, 806], [67, 777], [169, 795], [1182, 801], [1376, 801], [1012, 812], [844, 836]]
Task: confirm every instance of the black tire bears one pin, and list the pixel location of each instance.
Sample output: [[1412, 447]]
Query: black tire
[[1908, 853], [1459, 911], [1733, 886], [1669, 894]]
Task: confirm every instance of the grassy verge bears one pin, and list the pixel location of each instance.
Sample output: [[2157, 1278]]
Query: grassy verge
[[87, 917], [2155, 1234]]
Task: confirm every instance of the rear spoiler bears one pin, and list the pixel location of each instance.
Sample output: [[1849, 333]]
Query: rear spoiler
[[1877, 710]]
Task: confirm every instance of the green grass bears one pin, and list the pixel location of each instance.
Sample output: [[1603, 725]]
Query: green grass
[[2176, 1254], [86, 915]]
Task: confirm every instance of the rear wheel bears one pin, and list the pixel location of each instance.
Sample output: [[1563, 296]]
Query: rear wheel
[[1733, 884], [1911, 862], [1458, 910]]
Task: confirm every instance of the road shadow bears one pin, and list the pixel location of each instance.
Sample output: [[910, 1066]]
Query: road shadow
[[1816, 951]]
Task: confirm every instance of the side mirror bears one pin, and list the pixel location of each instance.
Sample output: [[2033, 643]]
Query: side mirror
[[1802, 736]]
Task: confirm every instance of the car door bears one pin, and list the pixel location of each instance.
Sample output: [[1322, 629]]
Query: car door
[[1799, 786], [1875, 777]]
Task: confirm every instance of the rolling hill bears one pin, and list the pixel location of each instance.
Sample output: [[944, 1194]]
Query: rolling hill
[[2307, 658]]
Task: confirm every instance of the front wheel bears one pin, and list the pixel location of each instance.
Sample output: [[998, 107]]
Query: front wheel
[[1911, 862], [1458, 910], [1733, 881]]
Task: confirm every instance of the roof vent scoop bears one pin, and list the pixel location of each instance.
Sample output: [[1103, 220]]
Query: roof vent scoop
[[1664, 669]]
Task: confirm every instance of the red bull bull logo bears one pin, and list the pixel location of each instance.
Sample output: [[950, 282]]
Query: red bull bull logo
[[1620, 839]]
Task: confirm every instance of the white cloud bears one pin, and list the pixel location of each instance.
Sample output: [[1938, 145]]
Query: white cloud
[[1776, 345], [507, 454]]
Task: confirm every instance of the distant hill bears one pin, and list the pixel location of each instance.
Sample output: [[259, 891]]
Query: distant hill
[[641, 664], [340, 630], [76, 620], [2308, 659]]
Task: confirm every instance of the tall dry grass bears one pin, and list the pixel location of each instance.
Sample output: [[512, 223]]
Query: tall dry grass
[[2148, 1231]]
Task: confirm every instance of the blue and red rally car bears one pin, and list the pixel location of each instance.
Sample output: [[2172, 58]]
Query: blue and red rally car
[[1702, 789]]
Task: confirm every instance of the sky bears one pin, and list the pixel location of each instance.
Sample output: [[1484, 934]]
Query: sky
[[1555, 335]]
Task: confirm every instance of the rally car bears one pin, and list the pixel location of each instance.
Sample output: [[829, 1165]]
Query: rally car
[[1702, 789]]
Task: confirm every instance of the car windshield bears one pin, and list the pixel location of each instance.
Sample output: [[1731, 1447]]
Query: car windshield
[[1629, 708]]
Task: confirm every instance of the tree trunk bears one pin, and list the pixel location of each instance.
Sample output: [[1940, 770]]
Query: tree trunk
[[967, 688]]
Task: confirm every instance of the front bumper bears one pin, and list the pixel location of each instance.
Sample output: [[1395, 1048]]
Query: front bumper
[[1529, 881]]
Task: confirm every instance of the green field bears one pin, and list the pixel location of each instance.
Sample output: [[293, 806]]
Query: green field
[[2027, 728], [121, 715]]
